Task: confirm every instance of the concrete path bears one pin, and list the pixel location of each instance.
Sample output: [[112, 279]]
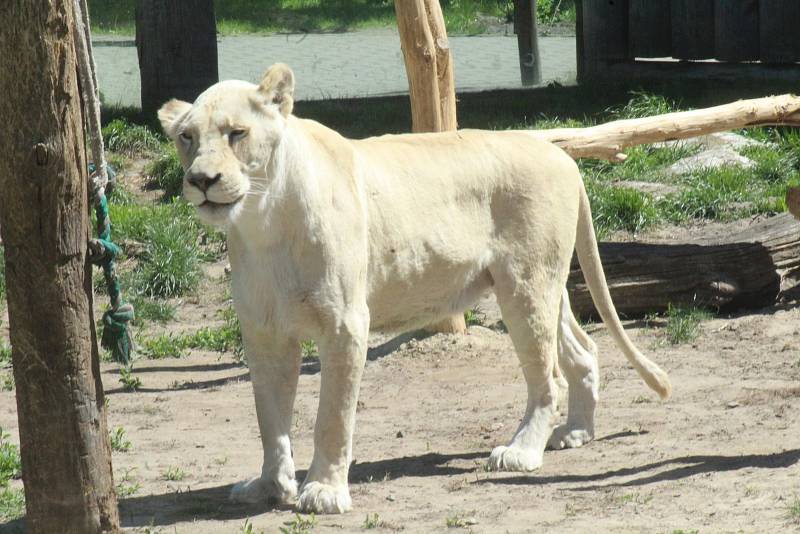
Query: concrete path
[[334, 65]]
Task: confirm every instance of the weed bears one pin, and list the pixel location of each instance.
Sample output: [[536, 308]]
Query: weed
[[372, 521], [128, 381], [119, 441], [248, 528], [793, 510], [130, 139], [165, 346], [299, 525], [553, 11], [151, 310], [12, 504], [474, 317], [681, 531], [166, 173], [309, 349], [683, 323], [125, 489], [5, 354], [643, 104], [174, 473], [7, 381], [459, 521], [10, 461], [621, 208]]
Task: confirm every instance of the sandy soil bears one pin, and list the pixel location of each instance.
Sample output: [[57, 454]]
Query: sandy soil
[[720, 456]]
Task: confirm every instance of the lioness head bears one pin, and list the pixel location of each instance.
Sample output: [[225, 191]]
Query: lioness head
[[226, 138]]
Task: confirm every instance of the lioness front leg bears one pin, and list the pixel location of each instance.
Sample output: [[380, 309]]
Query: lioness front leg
[[274, 369], [342, 359], [577, 356]]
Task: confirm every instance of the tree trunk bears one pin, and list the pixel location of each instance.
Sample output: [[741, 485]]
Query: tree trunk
[[606, 141], [66, 458], [530, 66], [744, 270], [177, 46], [431, 85]]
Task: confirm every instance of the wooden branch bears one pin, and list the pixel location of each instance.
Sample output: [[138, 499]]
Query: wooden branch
[[606, 141], [744, 270]]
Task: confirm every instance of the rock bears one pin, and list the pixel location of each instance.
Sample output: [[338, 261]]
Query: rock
[[709, 159]]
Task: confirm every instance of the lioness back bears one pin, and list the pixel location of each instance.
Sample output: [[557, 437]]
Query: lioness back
[[443, 206]]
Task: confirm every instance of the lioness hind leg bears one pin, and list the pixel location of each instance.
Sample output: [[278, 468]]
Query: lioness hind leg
[[274, 370], [530, 311], [577, 357]]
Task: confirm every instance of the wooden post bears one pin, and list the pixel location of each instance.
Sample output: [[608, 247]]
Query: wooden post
[[44, 217], [431, 85], [177, 46], [530, 67]]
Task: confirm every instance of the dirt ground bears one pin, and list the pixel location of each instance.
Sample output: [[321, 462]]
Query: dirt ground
[[720, 456]]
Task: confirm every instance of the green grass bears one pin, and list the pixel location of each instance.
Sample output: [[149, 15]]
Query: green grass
[[5, 354], [128, 380], [10, 461], [165, 173], [793, 510], [12, 503], [268, 16], [620, 208], [299, 525], [174, 474], [164, 346], [683, 323], [224, 338], [148, 309], [129, 139]]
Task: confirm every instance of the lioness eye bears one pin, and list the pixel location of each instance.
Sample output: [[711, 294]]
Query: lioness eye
[[185, 137], [237, 134]]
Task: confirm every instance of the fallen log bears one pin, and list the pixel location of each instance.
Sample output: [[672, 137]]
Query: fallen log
[[607, 141], [744, 270]]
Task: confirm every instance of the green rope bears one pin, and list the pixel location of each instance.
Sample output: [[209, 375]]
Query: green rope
[[103, 252]]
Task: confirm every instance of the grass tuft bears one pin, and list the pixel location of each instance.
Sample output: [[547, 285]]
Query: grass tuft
[[10, 461], [621, 208], [683, 323], [131, 140], [166, 173], [119, 441]]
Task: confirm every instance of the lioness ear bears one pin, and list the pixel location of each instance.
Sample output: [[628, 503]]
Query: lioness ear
[[170, 113], [278, 87]]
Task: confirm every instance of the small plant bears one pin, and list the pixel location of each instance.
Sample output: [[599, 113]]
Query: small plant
[[683, 323], [164, 346], [372, 521], [793, 510], [7, 381], [129, 139], [152, 310], [174, 473], [474, 317], [622, 208], [309, 349], [248, 528], [166, 173], [5, 354], [128, 381], [119, 441], [10, 461], [299, 525], [126, 489], [12, 504]]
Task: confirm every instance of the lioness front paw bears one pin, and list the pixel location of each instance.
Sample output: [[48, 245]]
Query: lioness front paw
[[564, 437], [282, 490], [513, 459], [322, 498]]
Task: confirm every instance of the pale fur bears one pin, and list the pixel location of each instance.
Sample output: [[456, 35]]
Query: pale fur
[[329, 237]]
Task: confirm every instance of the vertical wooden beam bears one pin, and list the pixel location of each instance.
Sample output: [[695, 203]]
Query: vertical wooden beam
[[177, 46], [66, 458], [431, 85], [779, 31], [530, 67], [605, 35], [736, 30], [692, 29], [649, 28], [419, 53]]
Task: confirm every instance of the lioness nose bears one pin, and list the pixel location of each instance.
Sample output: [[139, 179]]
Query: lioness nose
[[202, 181]]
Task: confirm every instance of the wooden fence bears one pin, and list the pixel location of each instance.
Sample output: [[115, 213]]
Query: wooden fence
[[641, 39]]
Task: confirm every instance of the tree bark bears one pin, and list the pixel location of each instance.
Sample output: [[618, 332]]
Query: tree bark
[[177, 46], [606, 141], [744, 270], [431, 85], [66, 458]]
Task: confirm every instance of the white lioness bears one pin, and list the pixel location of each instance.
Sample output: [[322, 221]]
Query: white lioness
[[329, 237]]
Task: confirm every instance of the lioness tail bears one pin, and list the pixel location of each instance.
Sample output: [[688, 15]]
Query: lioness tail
[[589, 259]]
